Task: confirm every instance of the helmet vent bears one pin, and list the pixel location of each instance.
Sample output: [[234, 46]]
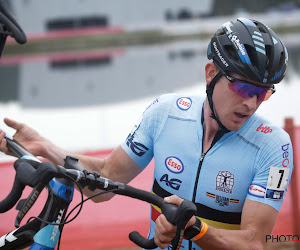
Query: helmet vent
[[252, 54], [268, 54], [260, 27], [231, 52]]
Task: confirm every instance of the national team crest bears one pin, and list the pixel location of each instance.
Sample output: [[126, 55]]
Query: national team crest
[[225, 181]]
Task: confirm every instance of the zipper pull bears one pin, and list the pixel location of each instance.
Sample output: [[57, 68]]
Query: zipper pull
[[202, 157]]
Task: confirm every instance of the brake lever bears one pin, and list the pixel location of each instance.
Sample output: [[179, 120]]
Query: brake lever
[[11, 24], [178, 216], [24, 205]]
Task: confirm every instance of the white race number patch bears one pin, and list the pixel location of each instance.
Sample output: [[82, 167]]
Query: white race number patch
[[277, 183]]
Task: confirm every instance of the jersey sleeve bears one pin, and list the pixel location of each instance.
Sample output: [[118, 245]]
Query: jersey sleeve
[[274, 168], [140, 141]]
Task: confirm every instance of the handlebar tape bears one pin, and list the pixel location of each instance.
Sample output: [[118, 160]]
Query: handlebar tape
[[30, 176], [140, 195], [13, 197], [18, 150], [144, 196], [176, 215], [141, 241], [7, 19]]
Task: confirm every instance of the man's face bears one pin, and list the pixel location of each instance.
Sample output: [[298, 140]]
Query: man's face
[[232, 109]]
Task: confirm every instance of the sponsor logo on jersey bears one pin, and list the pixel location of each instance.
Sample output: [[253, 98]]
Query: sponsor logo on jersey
[[225, 181], [174, 164], [184, 103], [221, 200], [285, 155], [155, 101], [257, 190], [274, 194], [136, 126], [263, 129], [173, 183], [137, 148], [219, 54]]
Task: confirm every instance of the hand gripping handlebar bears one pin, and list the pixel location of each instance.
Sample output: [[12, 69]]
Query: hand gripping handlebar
[[33, 173]]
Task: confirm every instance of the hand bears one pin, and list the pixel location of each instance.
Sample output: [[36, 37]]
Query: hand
[[26, 136], [164, 230]]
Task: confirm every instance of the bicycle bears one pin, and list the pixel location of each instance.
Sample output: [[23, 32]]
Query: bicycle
[[44, 231], [9, 27]]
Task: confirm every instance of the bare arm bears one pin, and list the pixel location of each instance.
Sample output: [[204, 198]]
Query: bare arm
[[118, 166], [258, 221]]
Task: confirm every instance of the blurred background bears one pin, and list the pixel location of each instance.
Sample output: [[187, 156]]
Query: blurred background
[[91, 67]]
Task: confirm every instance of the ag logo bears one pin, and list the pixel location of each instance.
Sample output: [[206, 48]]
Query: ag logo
[[225, 181], [138, 148], [173, 183], [184, 103], [174, 164]]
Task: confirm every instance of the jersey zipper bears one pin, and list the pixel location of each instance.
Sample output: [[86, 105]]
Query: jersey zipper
[[197, 176], [216, 138], [196, 185]]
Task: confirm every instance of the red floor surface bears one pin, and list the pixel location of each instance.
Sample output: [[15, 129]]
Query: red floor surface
[[107, 225]]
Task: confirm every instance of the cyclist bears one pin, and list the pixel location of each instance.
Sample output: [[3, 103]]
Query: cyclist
[[234, 165]]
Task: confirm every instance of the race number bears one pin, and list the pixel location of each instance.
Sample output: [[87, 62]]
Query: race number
[[277, 183]]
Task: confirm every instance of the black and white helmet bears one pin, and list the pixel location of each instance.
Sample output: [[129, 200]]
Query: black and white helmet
[[250, 49]]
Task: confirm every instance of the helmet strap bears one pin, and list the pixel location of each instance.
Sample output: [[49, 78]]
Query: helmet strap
[[209, 91]]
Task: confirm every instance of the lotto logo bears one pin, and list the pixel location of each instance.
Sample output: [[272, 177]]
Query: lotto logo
[[174, 164], [265, 129], [184, 103]]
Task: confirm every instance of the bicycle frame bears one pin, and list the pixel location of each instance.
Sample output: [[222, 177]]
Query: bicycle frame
[[59, 181], [37, 234]]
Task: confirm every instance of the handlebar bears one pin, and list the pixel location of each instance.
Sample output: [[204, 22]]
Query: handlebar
[[9, 24], [31, 172]]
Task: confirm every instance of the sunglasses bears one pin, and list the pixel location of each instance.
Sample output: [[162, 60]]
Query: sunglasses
[[247, 90]]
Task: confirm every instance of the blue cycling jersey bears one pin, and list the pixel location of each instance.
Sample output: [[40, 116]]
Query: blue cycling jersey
[[253, 163]]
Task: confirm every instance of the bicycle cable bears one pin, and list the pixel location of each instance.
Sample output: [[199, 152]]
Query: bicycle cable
[[91, 197], [73, 209]]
